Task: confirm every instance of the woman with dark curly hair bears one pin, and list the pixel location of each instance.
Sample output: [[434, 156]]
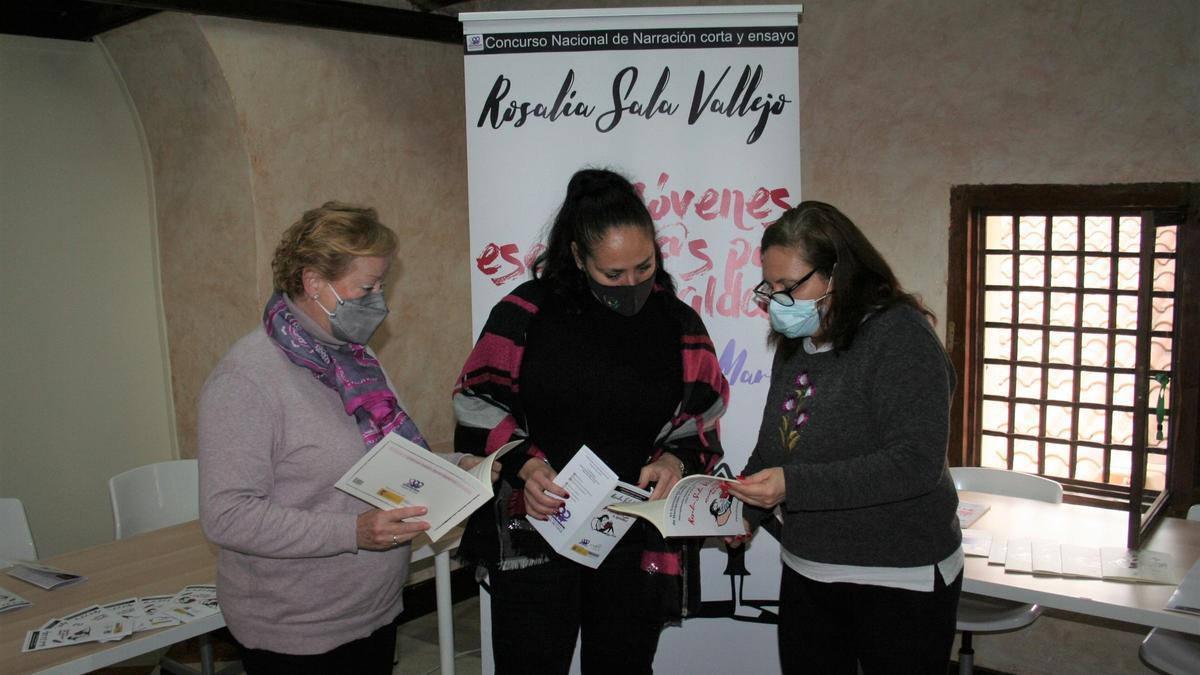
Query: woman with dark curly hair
[[595, 350]]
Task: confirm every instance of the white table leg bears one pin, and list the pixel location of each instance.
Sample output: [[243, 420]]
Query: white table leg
[[441, 570]]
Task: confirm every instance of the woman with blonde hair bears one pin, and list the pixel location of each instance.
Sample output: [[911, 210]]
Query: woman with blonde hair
[[309, 579]]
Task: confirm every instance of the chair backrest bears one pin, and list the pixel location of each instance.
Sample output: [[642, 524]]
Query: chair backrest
[[16, 540], [1009, 483], [154, 496]]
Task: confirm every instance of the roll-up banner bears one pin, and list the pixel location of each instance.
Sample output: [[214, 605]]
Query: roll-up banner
[[699, 107]]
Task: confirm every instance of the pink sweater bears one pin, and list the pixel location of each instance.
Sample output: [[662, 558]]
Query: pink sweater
[[273, 440]]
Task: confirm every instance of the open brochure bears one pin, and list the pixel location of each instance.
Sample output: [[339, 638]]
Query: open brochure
[[1149, 567], [584, 530], [42, 576], [397, 472], [696, 506]]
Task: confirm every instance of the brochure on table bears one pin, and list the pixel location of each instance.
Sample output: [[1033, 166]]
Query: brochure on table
[[969, 512], [584, 530], [1047, 557], [397, 472], [42, 576], [117, 620], [10, 600]]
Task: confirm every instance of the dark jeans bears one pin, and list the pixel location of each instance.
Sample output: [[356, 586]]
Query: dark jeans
[[831, 628], [538, 612], [372, 655]]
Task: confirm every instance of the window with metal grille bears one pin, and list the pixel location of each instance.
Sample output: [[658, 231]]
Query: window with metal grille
[[1071, 337]]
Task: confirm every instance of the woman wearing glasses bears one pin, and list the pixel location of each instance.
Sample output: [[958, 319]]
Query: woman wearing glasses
[[852, 451]]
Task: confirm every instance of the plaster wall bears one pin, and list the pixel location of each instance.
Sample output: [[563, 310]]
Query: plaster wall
[[84, 381], [251, 124], [204, 201]]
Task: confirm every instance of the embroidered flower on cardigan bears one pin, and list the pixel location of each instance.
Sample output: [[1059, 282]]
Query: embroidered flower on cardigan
[[795, 410]]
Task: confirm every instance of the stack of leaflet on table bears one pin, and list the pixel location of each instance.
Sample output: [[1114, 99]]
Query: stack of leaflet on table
[[116, 620], [10, 600], [1040, 556], [42, 576], [1186, 598]]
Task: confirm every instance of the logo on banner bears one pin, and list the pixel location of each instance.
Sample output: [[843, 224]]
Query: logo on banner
[[475, 43]]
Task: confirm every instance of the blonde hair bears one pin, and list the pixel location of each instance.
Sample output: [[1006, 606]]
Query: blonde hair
[[327, 239]]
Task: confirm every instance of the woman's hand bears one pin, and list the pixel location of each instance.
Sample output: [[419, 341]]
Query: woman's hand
[[381, 530], [469, 462], [734, 542], [539, 479], [664, 472], [765, 489]]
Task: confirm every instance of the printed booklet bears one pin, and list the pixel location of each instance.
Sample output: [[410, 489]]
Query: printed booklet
[[397, 472], [696, 506], [969, 512], [584, 530]]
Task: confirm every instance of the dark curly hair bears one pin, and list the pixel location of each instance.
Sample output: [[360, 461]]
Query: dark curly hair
[[597, 200]]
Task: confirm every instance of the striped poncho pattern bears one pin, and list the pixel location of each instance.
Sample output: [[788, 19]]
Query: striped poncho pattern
[[488, 409]]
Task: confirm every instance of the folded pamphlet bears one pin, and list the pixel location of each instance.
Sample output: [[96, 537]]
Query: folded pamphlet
[[42, 576], [397, 472]]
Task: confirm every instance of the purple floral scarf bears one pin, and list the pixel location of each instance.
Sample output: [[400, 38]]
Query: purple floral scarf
[[347, 369]]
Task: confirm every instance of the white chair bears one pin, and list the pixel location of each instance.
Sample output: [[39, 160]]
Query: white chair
[[1169, 651], [16, 541], [979, 614], [152, 497], [155, 496]]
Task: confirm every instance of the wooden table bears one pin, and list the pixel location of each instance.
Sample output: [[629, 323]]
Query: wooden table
[[1130, 602], [161, 562], [155, 563]]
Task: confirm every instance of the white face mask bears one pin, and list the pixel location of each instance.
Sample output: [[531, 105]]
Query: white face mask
[[355, 320], [800, 319]]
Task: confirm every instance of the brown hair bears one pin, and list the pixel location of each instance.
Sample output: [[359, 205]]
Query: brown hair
[[833, 245], [326, 239]]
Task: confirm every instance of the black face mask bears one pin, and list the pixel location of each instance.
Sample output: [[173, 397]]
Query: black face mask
[[624, 300]]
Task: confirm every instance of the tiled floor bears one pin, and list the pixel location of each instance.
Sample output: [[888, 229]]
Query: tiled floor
[[419, 642]]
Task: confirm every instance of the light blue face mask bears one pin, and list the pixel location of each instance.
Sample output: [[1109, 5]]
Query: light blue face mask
[[800, 319]]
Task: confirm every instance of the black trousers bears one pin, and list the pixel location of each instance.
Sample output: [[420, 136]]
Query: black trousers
[[833, 628], [371, 655], [538, 612]]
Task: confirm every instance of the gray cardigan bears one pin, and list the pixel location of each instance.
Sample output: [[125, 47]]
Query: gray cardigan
[[273, 440], [866, 475]]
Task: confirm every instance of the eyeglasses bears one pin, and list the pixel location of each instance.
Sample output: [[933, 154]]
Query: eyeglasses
[[765, 295]]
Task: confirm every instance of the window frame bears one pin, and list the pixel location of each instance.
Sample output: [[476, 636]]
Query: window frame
[[964, 313]]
